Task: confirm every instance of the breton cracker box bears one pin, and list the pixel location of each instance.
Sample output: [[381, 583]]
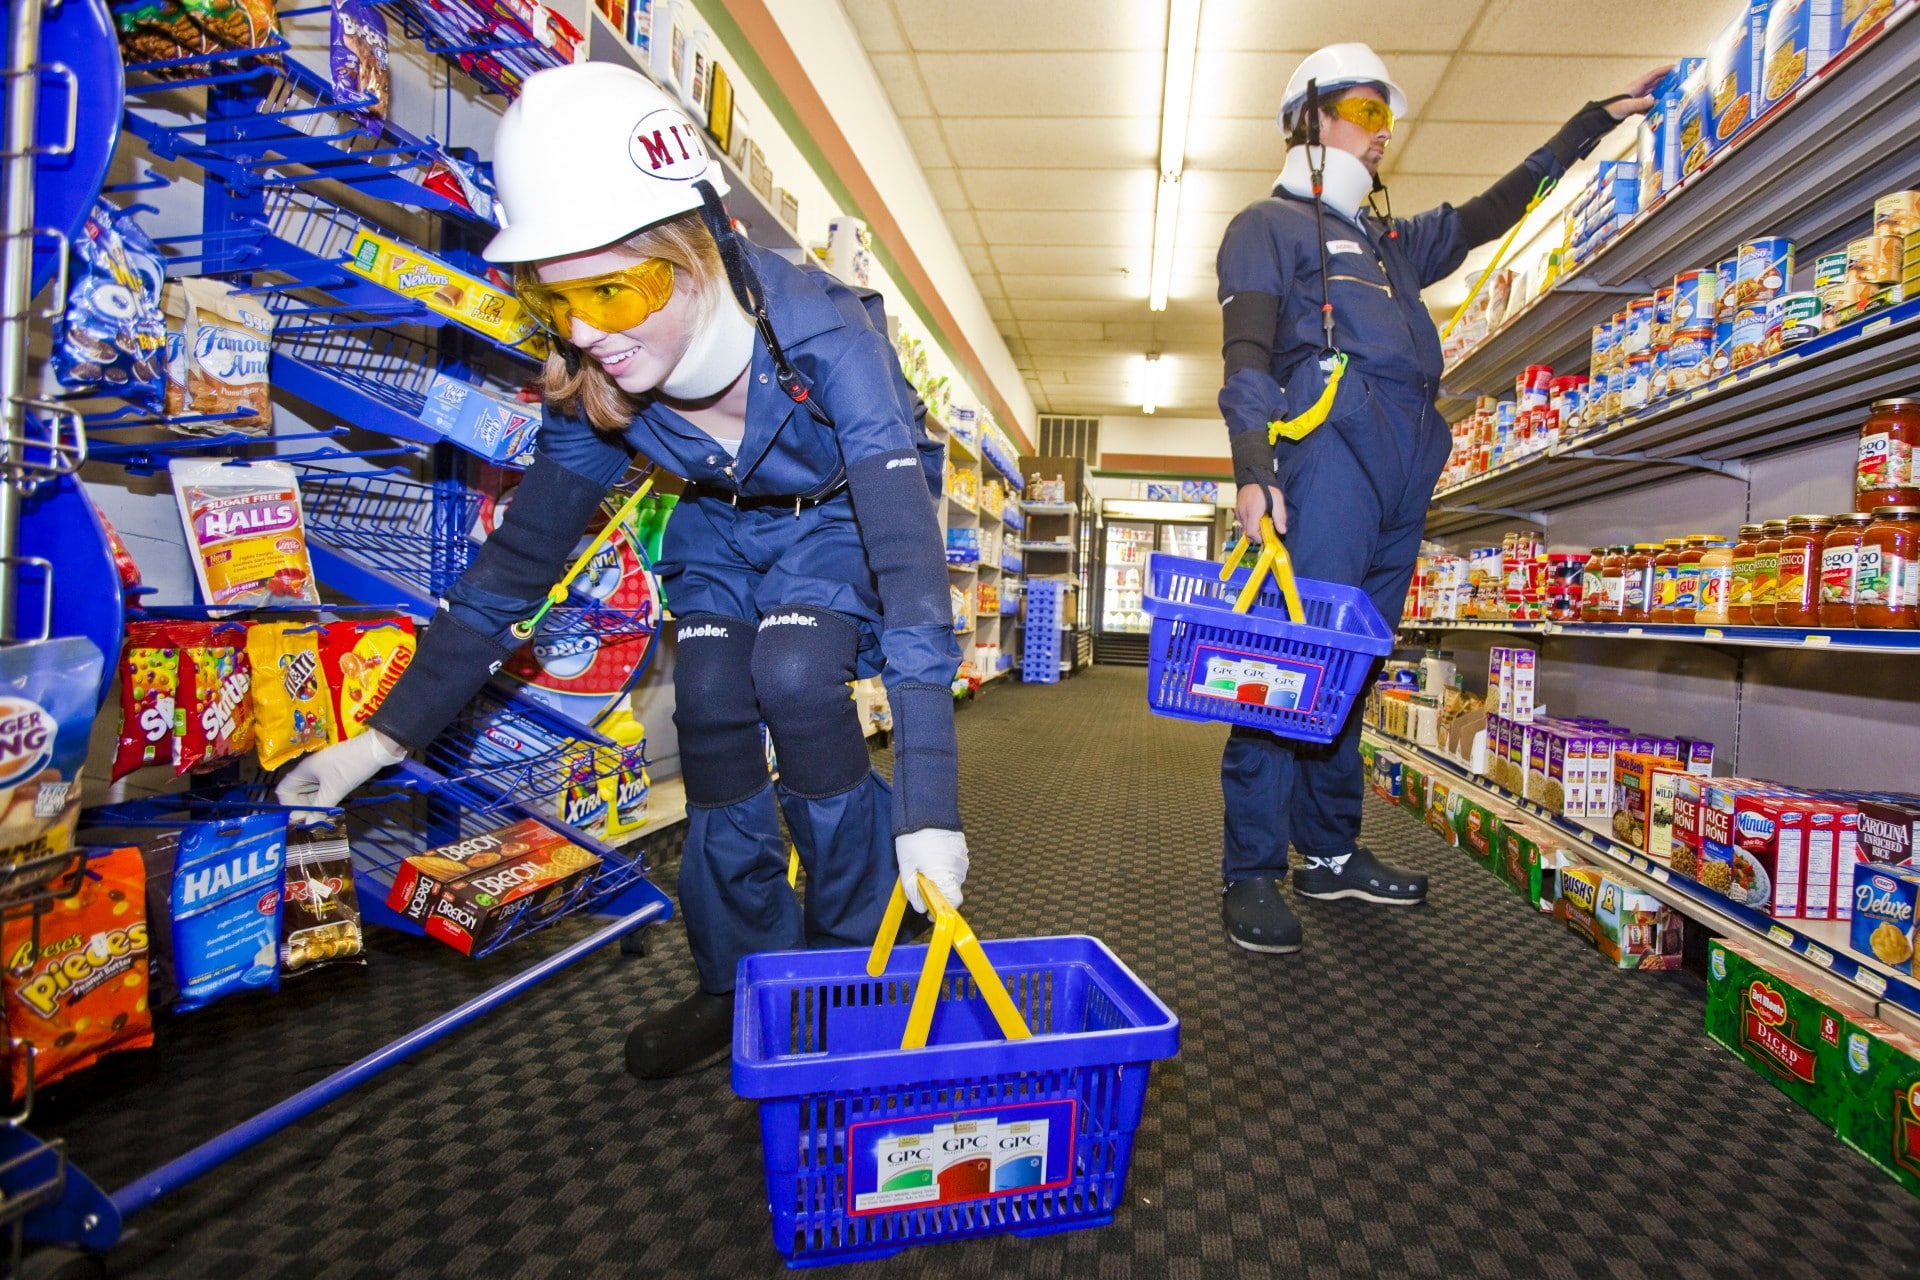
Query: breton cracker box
[[1788, 1028], [1479, 829], [1643, 787], [468, 891], [1633, 929], [1769, 850], [1878, 1111], [1884, 900]]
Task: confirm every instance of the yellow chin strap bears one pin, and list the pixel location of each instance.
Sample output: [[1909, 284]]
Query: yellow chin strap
[[1299, 428]]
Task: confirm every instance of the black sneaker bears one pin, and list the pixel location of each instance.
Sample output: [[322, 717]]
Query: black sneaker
[[1359, 875], [693, 1035], [1258, 918]]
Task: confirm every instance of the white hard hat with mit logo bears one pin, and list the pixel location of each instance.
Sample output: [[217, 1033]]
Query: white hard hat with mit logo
[[588, 154], [1340, 66]]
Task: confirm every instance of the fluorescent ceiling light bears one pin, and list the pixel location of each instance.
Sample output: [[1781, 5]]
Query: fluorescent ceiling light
[[1152, 382], [1176, 104]]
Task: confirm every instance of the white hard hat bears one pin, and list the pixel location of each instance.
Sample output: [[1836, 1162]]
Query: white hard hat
[[1340, 66], [589, 154]]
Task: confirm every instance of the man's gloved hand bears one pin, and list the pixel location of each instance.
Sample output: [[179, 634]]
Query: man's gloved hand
[[939, 855], [327, 777]]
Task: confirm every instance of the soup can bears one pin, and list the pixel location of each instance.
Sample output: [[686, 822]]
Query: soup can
[[1694, 293], [1689, 360], [1661, 355], [1725, 291], [1663, 316], [1764, 270], [1802, 317], [1639, 336], [1875, 259], [1637, 386], [1829, 269], [1748, 342]]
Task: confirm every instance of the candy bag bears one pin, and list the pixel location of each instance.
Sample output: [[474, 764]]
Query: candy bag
[[320, 912], [149, 678], [363, 661], [226, 341], [359, 61], [111, 339], [213, 899], [48, 692], [213, 706], [244, 532], [122, 558], [76, 979], [293, 713], [169, 30]]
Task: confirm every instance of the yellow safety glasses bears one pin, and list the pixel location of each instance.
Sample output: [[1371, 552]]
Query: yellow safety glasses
[[1365, 112], [612, 303]]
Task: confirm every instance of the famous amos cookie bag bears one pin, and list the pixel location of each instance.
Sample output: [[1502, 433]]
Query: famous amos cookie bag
[[292, 711], [75, 978], [363, 661], [245, 533]]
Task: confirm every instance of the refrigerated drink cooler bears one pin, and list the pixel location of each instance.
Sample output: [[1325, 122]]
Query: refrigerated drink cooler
[[1130, 532]]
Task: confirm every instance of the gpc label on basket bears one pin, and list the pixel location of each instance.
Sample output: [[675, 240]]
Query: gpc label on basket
[[1260, 679], [946, 1157]]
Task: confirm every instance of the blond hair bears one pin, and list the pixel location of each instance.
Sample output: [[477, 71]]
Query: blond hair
[[687, 244]]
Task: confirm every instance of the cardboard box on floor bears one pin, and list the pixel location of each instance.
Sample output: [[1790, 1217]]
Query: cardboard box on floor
[[1531, 860], [1788, 1024], [1413, 788]]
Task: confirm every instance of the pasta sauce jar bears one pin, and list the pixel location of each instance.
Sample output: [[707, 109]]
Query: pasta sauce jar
[[1714, 578], [1592, 585], [1887, 587], [1766, 571], [1840, 568], [1740, 590], [1613, 583], [1885, 474], [1666, 580], [1796, 600], [1636, 604]]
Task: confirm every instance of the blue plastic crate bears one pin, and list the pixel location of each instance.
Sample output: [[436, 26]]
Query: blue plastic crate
[[1297, 679], [816, 1043]]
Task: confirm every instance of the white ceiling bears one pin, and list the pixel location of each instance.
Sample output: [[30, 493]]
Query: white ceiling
[[1037, 125]]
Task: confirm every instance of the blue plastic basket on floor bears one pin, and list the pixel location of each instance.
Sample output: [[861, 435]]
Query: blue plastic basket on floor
[[1290, 661], [871, 1148]]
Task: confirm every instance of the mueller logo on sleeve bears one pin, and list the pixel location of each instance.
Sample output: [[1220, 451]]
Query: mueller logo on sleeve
[[789, 620], [666, 145], [706, 631]]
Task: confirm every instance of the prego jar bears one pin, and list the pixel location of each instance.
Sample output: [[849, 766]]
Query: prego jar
[[1840, 568], [1766, 571], [1637, 601], [1666, 580], [1885, 473], [1796, 600], [1715, 591], [1887, 589], [1740, 592]]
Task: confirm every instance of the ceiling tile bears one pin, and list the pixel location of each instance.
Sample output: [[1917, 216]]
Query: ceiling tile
[[1491, 149], [1059, 309], [966, 231], [874, 22], [1073, 260], [945, 185], [1658, 29], [1391, 26], [1002, 311], [1545, 89], [997, 142], [929, 147], [979, 261], [1106, 227], [1068, 25], [1082, 190], [901, 79], [1032, 85], [1238, 84], [1223, 190], [1044, 347], [1221, 142], [1042, 330], [1070, 287]]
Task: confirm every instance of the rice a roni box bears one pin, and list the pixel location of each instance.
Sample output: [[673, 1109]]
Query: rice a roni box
[[1879, 1109], [1788, 1026]]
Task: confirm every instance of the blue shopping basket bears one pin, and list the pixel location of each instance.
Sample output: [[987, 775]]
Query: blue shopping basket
[[1224, 646], [892, 1111]]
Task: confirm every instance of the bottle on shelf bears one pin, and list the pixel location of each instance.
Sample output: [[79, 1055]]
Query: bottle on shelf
[[1593, 585], [1740, 597], [1840, 567], [1796, 600], [1666, 581], [1637, 601], [1613, 583], [1713, 583], [1766, 572], [1884, 475], [1887, 591]]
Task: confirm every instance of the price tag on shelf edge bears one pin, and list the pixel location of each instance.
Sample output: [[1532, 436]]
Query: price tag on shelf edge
[[1871, 981], [1780, 935], [1820, 956]]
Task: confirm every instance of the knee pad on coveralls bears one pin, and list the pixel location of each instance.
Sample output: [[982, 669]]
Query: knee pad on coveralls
[[715, 711], [802, 661]]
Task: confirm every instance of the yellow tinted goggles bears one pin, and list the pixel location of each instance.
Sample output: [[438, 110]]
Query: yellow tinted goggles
[[1365, 112], [612, 303]]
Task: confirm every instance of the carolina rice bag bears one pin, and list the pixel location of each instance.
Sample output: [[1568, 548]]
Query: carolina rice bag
[[47, 692], [244, 532]]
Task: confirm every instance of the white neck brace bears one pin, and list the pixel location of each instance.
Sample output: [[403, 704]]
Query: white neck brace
[[1346, 181], [721, 349]]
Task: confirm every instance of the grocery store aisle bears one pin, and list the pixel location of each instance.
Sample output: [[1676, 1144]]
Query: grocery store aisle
[[1458, 1089]]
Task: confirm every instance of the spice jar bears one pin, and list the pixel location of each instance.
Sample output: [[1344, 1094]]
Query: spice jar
[[1713, 592], [1593, 585], [1666, 580], [1766, 571], [1840, 567], [1884, 475], [1637, 604], [1740, 595], [1887, 588], [1613, 583], [1686, 590], [1796, 600]]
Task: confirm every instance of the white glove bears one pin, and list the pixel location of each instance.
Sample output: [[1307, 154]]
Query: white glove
[[940, 856], [328, 776]]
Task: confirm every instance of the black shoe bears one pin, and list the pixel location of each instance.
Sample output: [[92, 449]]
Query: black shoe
[[1359, 875], [695, 1033], [1258, 918]]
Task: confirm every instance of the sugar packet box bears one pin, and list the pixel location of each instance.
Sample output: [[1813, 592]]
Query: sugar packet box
[[1786, 1026], [1878, 1111], [1884, 898]]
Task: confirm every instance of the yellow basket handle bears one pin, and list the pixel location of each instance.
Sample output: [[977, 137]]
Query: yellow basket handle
[[1273, 559], [950, 934]]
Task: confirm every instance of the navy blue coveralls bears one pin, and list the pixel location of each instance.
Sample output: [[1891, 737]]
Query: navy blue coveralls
[[1356, 487], [809, 560]]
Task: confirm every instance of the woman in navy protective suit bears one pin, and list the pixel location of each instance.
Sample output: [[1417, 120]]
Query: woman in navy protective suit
[[804, 554]]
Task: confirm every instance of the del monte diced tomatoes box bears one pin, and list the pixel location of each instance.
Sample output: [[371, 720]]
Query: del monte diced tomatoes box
[[1479, 831], [1787, 1027], [1878, 1112]]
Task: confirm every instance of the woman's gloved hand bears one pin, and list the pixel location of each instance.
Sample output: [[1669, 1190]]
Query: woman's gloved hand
[[939, 855], [328, 776]]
